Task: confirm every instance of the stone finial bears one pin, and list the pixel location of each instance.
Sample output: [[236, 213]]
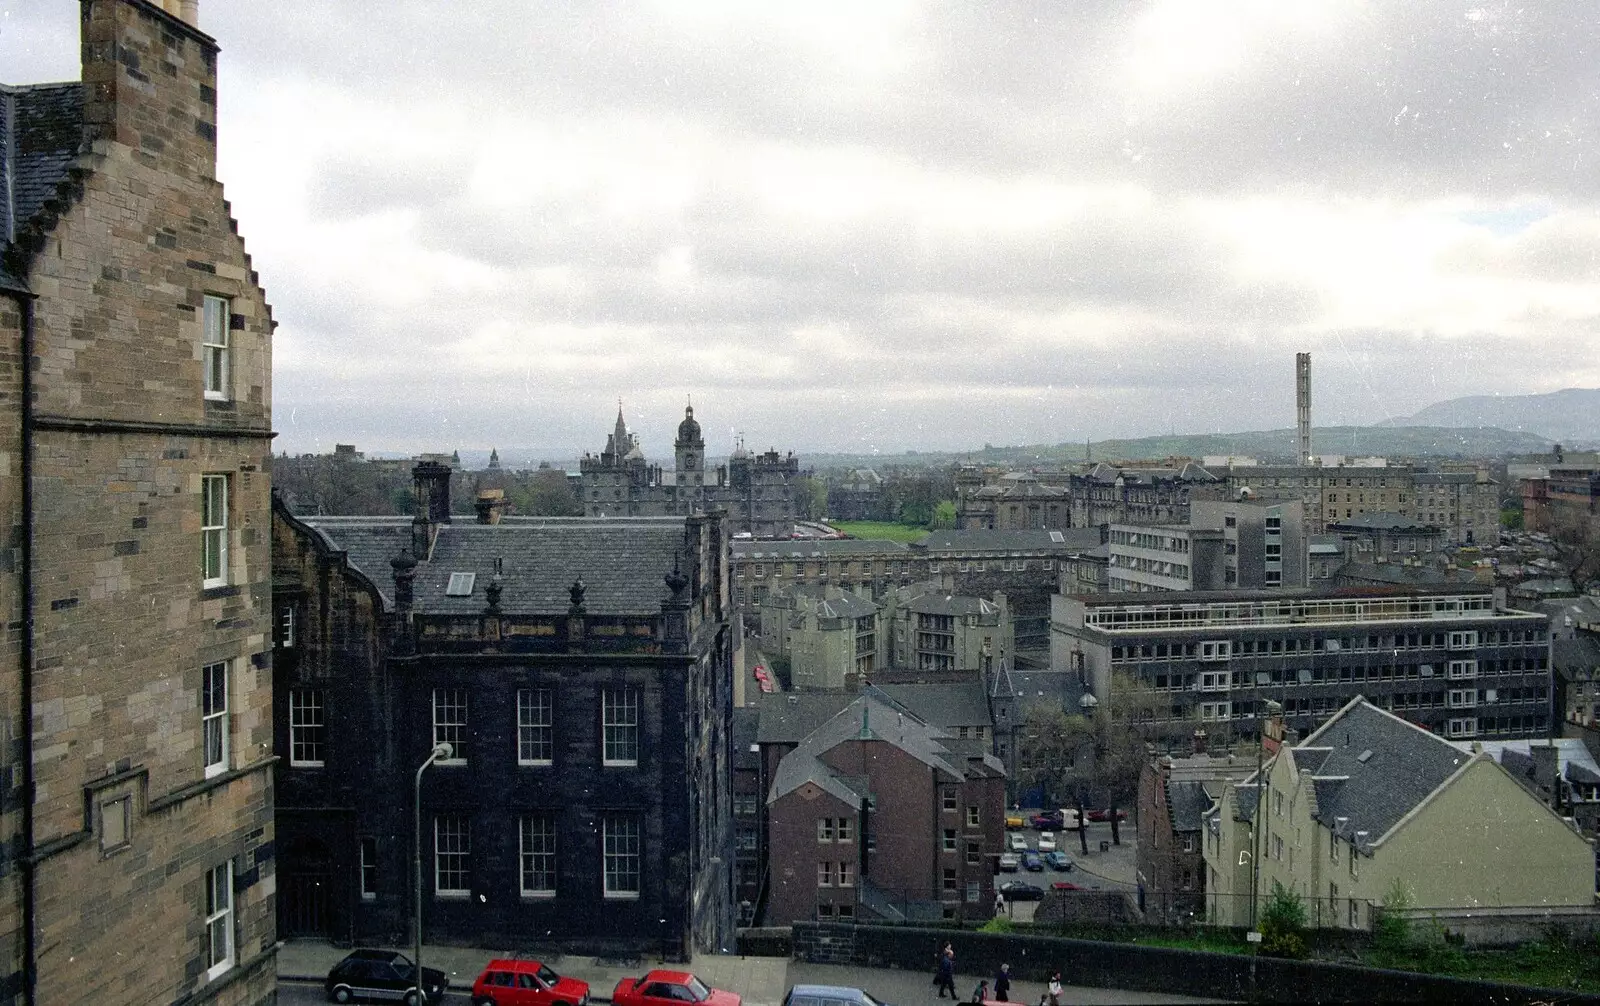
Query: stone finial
[[576, 590], [676, 581], [492, 591]]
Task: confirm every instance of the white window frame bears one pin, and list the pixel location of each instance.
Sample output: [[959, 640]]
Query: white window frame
[[219, 920], [619, 726], [825, 873], [308, 728], [1216, 681], [116, 824], [1464, 639], [286, 627], [535, 719], [1459, 670], [452, 855], [537, 855], [620, 856], [367, 867], [215, 726], [450, 719], [1461, 726], [824, 829], [1216, 649], [1462, 698], [213, 531], [845, 828], [216, 317], [847, 874]]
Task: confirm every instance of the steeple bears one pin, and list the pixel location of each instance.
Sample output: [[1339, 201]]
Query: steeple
[[620, 434]]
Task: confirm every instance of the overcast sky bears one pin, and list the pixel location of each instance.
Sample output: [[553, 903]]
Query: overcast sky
[[880, 225]]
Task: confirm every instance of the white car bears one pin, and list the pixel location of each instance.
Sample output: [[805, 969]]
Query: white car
[[1047, 841], [1009, 862], [1016, 842]]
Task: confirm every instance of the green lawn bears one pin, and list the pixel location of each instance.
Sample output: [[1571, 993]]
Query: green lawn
[[878, 530]]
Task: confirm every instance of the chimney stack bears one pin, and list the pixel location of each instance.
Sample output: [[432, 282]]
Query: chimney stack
[[187, 11], [490, 505], [432, 482], [1302, 404]]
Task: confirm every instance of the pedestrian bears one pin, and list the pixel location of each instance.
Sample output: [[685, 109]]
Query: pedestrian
[[999, 903], [1055, 989], [980, 993], [1002, 983], [946, 978]]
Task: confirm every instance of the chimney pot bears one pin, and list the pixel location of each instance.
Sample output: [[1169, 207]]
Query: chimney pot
[[490, 505]]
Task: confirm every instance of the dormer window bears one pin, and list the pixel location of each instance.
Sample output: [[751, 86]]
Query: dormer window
[[460, 585]]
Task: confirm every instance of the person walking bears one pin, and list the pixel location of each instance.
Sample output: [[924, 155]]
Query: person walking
[[1002, 983], [1055, 989], [946, 979], [999, 903]]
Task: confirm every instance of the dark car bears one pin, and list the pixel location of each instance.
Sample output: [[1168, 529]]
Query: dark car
[[1105, 815], [383, 975], [1031, 862], [1019, 890]]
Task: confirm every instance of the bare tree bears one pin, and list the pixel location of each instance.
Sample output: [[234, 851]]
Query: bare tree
[[1576, 536]]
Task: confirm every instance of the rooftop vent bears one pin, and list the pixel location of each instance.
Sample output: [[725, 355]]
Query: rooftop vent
[[460, 584], [1057, 537], [1364, 756]]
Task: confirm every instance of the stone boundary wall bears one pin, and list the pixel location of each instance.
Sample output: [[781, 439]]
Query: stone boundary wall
[[1149, 969]]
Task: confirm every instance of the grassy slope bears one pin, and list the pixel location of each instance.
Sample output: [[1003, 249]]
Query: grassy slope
[[879, 530]]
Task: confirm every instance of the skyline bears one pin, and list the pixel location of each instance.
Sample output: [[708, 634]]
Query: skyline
[[897, 227]]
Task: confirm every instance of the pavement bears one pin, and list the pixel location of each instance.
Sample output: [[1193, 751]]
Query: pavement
[[761, 981]]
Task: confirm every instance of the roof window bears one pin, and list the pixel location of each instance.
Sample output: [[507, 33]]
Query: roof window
[[460, 584]]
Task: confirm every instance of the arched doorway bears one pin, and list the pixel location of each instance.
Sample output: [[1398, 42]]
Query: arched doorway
[[305, 899]]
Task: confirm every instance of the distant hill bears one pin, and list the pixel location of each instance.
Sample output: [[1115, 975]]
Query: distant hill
[[1267, 445], [1570, 417]]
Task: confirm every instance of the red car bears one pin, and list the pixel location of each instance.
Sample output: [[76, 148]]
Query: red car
[[1062, 885], [1105, 815], [669, 988], [507, 982]]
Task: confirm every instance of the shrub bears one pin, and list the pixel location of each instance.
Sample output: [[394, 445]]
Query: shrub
[[1391, 932], [998, 924], [1283, 924]]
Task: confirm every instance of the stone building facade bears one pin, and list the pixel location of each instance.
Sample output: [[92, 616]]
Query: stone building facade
[[1465, 505], [583, 672], [136, 830], [755, 489]]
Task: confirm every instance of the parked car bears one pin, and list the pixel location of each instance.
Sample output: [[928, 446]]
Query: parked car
[[1047, 841], [1062, 885], [829, 995], [1016, 842], [383, 975], [1058, 860], [1014, 821], [1031, 861], [761, 673], [1021, 890], [1070, 821], [1009, 861], [1105, 815], [1049, 820], [669, 988], [507, 982]]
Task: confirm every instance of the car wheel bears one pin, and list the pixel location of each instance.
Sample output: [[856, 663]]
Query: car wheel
[[342, 994], [414, 998], [483, 1002]]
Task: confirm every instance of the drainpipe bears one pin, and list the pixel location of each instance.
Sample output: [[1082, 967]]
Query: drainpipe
[[29, 872]]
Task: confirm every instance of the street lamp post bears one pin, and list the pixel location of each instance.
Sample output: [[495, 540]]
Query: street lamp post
[[439, 751]]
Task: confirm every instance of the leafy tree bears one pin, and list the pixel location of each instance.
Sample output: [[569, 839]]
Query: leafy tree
[[548, 493], [1391, 931], [944, 515], [811, 497], [1283, 924]]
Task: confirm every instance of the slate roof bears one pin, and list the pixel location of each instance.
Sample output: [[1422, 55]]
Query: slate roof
[[1187, 801], [788, 717], [742, 736], [1573, 759], [868, 717], [1324, 544], [1189, 472], [1567, 614], [1377, 768], [1009, 540], [1581, 653], [925, 600], [622, 561], [948, 705], [844, 604], [1357, 572], [41, 131]]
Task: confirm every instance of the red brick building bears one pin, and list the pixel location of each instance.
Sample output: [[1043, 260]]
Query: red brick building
[[878, 814], [1173, 795]]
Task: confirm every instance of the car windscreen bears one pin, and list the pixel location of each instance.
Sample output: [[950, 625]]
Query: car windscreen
[[697, 988], [548, 976]]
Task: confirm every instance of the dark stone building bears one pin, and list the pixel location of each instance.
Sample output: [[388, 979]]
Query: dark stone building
[[756, 490], [582, 672], [1174, 794]]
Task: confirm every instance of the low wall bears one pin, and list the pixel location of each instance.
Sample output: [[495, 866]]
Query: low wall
[[1149, 969], [1502, 927]]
